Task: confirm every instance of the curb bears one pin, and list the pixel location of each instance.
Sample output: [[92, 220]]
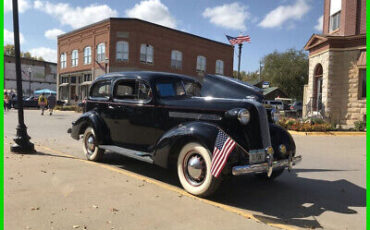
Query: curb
[[335, 133]]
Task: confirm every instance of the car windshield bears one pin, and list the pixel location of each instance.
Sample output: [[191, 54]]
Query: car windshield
[[177, 88]]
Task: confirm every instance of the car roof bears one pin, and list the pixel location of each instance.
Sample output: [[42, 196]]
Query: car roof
[[145, 75]]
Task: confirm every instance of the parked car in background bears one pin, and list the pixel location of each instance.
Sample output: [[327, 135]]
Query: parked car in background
[[277, 105], [297, 107], [173, 120]]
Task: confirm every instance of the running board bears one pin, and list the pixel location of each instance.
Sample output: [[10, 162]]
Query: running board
[[142, 156]]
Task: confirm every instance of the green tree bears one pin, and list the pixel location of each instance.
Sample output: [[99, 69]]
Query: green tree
[[287, 70], [9, 50], [248, 77]]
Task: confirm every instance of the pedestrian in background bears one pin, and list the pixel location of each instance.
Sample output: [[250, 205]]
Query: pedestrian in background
[[43, 102], [51, 103], [6, 101]]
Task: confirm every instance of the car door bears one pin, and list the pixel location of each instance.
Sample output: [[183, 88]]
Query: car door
[[132, 114]]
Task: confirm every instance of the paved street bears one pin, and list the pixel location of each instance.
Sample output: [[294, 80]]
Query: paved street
[[54, 189]]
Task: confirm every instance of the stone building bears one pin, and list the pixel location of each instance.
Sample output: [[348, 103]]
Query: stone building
[[35, 75], [124, 44], [337, 64]]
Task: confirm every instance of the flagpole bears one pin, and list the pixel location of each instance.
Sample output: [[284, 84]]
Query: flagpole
[[240, 55]]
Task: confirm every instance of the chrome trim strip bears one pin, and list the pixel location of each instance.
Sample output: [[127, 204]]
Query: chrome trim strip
[[197, 116], [264, 167]]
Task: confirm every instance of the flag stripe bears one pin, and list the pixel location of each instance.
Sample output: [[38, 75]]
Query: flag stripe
[[224, 161], [224, 145], [220, 159]]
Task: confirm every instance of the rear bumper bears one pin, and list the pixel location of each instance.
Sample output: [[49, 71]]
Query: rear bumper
[[264, 167]]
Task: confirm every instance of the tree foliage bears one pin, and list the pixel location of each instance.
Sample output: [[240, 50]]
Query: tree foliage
[[10, 50], [287, 70], [248, 77]]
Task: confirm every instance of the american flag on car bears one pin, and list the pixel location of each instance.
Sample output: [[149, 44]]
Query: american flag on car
[[224, 145]]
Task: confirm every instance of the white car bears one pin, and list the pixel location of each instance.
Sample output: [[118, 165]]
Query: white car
[[278, 105]]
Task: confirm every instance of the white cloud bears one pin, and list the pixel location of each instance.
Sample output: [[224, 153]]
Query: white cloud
[[46, 53], [152, 11], [282, 14], [53, 33], [9, 37], [23, 5], [319, 24], [231, 16], [75, 17]]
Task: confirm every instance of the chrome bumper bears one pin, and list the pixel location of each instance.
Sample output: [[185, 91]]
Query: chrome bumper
[[265, 167]]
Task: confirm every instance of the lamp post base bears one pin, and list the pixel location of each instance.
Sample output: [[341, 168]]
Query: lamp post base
[[22, 141]]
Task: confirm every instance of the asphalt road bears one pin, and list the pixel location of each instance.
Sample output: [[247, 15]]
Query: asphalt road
[[327, 190]]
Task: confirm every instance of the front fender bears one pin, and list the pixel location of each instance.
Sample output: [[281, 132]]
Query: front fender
[[171, 142], [281, 136], [93, 119]]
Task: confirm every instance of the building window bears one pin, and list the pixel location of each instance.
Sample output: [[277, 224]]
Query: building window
[[87, 55], [176, 59], [146, 53], [335, 21], [122, 51], [73, 79], [201, 64], [74, 58], [219, 67], [64, 80], [362, 91], [87, 77], [100, 52], [63, 60]]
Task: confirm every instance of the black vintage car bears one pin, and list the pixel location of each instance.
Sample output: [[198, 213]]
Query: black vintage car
[[206, 129]]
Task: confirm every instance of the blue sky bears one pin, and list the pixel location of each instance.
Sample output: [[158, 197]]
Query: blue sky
[[271, 24]]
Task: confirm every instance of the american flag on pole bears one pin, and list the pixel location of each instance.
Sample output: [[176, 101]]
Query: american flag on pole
[[238, 40], [224, 145]]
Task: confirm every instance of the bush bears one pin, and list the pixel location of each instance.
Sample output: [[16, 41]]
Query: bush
[[318, 125], [360, 126]]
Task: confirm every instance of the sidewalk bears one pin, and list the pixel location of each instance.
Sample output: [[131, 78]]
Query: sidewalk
[[49, 191]]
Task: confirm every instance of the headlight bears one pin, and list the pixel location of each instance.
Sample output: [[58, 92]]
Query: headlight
[[244, 116], [275, 115]]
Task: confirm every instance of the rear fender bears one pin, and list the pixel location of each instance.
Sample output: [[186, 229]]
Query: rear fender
[[171, 142], [92, 119]]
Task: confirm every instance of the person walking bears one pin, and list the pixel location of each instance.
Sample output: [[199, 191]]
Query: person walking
[[51, 103], [6, 101], [43, 102]]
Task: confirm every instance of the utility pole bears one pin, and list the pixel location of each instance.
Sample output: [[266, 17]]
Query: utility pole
[[240, 56], [260, 76], [22, 140]]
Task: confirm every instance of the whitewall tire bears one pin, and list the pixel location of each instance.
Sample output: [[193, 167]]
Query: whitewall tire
[[194, 170], [90, 147]]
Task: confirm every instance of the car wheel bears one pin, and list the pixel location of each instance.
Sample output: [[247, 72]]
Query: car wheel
[[275, 174], [90, 148], [194, 170]]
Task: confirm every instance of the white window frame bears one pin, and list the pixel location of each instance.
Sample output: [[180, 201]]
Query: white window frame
[[176, 59], [122, 51], [63, 60], [100, 52], [335, 21], [74, 58], [87, 55], [201, 63], [146, 54], [219, 67]]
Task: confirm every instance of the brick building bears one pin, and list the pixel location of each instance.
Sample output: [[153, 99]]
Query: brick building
[[35, 75], [123, 44], [337, 64]]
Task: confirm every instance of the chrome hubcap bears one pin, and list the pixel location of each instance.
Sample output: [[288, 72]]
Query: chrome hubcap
[[90, 144], [194, 169]]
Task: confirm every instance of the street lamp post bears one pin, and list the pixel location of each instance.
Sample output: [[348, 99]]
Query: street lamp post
[[29, 75], [22, 140]]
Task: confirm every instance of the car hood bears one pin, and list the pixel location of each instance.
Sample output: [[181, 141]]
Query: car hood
[[225, 87]]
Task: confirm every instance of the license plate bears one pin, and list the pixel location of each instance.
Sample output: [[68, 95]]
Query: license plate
[[257, 156]]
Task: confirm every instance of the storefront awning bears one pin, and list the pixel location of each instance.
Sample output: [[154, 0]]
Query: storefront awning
[[63, 84], [86, 83], [362, 59]]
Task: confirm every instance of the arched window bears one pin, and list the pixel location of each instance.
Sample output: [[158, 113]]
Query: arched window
[[146, 53], [176, 59], [74, 58], [87, 55], [63, 60], [317, 88], [100, 52], [201, 64], [122, 51], [219, 67]]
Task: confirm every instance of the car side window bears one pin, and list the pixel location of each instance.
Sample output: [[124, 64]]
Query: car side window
[[191, 89], [101, 89], [170, 89], [132, 90]]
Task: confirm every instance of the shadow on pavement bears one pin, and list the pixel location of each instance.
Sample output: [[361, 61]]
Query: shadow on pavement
[[288, 199]]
